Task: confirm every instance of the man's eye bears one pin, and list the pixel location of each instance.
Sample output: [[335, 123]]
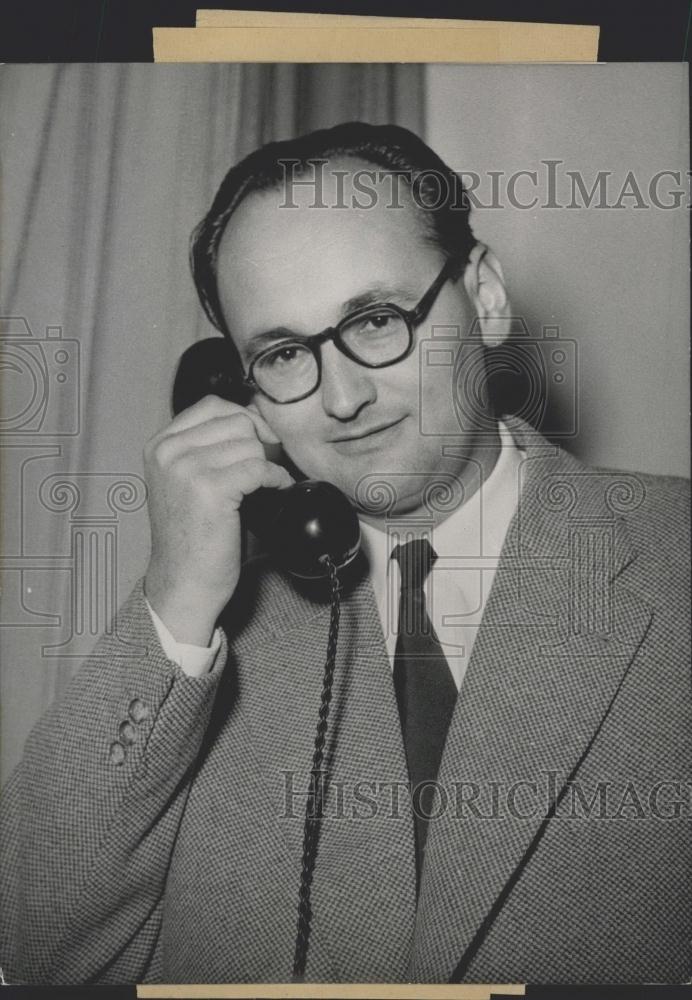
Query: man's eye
[[283, 355], [376, 322]]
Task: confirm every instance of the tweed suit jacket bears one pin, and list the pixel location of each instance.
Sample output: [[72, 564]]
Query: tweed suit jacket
[[153, 830]]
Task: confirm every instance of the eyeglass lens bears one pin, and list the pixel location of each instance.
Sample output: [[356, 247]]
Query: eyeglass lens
[[291, 369]]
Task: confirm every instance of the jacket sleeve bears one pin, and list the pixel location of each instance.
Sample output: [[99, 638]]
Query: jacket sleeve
[[89, 818]]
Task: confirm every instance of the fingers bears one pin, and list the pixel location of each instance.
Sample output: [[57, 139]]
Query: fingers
[[213, 407], [179, 439], [237, 426], [214, 445], [249, 475], [223, 454]]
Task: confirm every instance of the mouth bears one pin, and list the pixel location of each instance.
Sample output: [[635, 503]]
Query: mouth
[[367, 440]]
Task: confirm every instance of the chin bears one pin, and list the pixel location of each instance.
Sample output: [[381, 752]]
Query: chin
[[389, 493]]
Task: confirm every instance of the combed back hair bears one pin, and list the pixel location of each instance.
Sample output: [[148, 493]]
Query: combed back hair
[[438, 192]]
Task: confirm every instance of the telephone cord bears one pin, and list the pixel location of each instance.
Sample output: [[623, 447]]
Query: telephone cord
[[313, 808]]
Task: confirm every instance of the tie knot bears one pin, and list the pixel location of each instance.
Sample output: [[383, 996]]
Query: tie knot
[[415, 560]]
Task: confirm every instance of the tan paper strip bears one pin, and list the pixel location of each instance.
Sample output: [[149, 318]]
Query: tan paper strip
[[484, 43], [267, 19], [342, 991]]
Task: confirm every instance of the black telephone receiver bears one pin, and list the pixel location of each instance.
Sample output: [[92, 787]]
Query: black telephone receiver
[[303, 526]]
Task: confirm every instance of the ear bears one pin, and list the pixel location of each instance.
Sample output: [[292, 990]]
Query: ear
[[484, 283]]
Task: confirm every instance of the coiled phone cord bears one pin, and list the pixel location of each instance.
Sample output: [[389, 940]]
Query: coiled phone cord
[[313, 808]]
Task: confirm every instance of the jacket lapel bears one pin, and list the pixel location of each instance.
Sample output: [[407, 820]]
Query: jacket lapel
[[363, 893], [559, 631]]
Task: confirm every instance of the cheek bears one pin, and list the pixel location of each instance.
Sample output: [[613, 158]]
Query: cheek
[[293, 424]]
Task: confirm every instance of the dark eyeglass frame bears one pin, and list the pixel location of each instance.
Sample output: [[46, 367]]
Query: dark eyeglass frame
[[412, 318]]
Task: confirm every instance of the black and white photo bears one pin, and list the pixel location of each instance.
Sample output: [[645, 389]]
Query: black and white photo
[[345, 440]]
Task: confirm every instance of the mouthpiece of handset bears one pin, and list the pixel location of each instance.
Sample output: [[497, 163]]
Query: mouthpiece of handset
[[304, 525]]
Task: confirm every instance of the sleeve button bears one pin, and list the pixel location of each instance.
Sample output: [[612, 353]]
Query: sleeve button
[[138, 711], [127, 733], [117, 753]]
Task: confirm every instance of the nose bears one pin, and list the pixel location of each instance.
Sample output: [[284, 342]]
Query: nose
[[347, 387]]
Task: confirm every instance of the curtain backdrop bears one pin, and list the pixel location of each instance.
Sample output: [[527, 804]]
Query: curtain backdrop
[[105, 171]]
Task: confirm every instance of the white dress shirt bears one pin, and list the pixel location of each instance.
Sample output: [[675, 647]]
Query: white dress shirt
[[468, 545]]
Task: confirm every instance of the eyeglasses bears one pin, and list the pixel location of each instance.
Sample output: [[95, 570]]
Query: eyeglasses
[[375, 337]]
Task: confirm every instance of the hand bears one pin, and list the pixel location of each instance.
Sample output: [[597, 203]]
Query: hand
[[198, 470]]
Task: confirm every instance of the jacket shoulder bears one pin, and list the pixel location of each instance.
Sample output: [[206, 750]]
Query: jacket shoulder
[[657, 518], [660, 515]]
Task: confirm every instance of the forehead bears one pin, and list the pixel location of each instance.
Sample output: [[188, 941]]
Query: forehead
[[294, 264]]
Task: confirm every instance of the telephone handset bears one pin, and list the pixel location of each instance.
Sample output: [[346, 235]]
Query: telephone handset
[[302, 525], [312, 531]]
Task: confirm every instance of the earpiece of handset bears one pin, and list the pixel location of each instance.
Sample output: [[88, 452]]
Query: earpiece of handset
[[204, 369], [304, 524]]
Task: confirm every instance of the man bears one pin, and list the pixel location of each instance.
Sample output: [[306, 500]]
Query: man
[[155, 826]]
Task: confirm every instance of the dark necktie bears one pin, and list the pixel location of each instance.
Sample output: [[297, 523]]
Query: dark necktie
[[424, 686]]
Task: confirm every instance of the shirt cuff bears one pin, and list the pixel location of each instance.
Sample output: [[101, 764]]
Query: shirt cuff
[[192, 660]]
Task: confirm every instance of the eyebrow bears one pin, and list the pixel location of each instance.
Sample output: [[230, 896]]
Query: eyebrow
[[376, 294]]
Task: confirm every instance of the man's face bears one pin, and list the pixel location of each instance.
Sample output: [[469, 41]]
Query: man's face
[[302, 270]]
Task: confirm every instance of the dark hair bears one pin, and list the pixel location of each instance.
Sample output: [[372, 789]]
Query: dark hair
[[391, 147]]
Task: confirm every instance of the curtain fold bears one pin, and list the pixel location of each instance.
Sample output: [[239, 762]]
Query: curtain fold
[[105, 171]]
